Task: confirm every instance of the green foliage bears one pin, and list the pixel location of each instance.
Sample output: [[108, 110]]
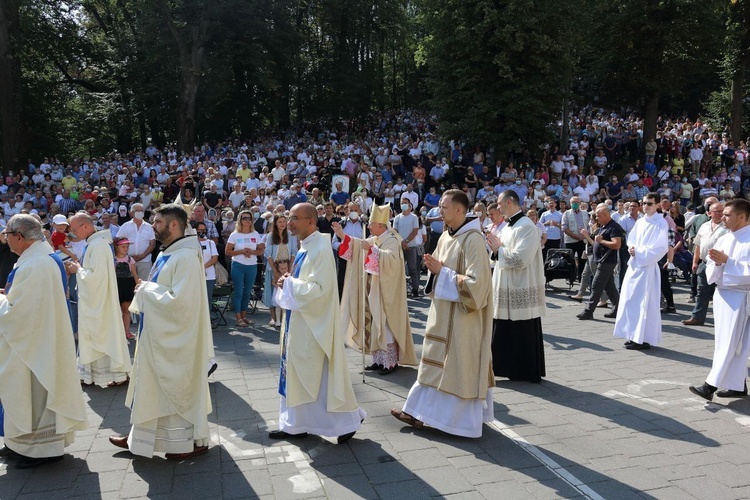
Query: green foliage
[[498, 69], [104, 75]]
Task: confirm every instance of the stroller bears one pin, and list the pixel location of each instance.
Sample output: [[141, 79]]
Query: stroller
[[560, 264]]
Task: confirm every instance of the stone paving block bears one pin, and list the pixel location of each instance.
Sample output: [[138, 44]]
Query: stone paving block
[[422, 459], [728, 474], [345, 487], [197, 485], [589, 448], [385, 472], [445, 480], [639, 479], [700, 486], [612, 488], [246, 484], [414, 489], [504, 489], [108, 461], [668, 493], [368, 451], [552, 488], [10, 487], [409, 440], [285, 487], [146, 484], [334, 471], [96, 483], [486, 473]]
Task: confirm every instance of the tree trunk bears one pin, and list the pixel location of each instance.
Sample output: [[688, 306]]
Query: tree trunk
[[650, 115], [737, 104], [11, 109], [192, 53]]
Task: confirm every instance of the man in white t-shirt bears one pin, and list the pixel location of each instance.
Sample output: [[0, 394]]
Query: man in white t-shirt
[[141, 234], [237, 196], [407, 225]]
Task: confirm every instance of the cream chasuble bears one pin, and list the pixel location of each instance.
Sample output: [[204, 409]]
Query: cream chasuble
[[103, 354], [40, 392], [386, 297], [168, 393]]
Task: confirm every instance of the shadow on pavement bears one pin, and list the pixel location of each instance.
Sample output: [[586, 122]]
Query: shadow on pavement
[[618, 412], [363, 469], [67, 478], [559, 343], [689, 331], [661, 352]]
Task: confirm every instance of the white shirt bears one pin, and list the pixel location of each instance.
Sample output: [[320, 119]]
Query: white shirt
[[242, 241], [140, 238], [209, 251]]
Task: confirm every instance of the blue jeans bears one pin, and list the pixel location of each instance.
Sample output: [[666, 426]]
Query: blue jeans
[[243, 278], [210, 285]]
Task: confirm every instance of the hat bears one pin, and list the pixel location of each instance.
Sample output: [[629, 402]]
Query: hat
[[121, 241], [380, 214], [60, 219]]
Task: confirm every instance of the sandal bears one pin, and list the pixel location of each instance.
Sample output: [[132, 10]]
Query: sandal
[[118, 384], [407, 419], [241, 323]]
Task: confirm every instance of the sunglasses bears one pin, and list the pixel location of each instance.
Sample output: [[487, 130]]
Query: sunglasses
[[246, 218], [649, 203]]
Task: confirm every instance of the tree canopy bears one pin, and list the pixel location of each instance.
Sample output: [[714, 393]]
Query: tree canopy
[[88, 77]]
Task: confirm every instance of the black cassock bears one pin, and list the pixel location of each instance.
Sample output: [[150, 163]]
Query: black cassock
[[518, 346]]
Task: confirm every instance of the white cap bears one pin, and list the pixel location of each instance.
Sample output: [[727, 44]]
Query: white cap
[[60, 219]]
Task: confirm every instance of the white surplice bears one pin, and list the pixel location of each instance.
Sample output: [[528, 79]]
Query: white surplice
[[731, 311], [638, 313]]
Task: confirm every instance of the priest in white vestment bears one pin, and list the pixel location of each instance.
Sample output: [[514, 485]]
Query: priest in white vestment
[[316, 392], [387, 329], [168, 394], [638, 313], [40, 393], [453, 391], [103, 356], [728, 267]]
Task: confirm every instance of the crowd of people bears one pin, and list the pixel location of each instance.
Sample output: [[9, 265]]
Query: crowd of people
[[338, 227]]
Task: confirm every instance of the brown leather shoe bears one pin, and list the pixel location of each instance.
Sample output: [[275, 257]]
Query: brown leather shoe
[[119, 441], [692, 322], [197, 450]]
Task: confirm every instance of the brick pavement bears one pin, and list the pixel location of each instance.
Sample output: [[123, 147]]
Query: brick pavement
[[605, 423]]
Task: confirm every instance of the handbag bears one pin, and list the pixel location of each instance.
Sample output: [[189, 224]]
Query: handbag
[[222, 276]]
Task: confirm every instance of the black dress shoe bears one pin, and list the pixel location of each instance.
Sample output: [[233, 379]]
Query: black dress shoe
[[669, 310], [585, 315], [6, 452], [388, 371], [638, 347], [213, 368], [30, 462], [373, 367], [345, 437], [285, 435], [628, 342], [729, 393], [611, 314], [705, 391]]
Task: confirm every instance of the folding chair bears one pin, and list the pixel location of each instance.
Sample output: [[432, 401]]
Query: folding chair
[[221, 302]]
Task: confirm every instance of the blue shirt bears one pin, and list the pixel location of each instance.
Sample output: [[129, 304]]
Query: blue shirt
[[340, 197]]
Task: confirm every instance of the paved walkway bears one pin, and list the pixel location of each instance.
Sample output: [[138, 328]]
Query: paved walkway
[[605, 423]]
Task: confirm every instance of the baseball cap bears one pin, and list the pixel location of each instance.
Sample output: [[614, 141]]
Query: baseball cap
[[60, 219]]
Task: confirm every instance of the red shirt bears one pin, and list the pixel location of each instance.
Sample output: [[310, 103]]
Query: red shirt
[[58, 240]]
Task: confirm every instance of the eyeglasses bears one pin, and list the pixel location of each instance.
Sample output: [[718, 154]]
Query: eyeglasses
[[295, 218], [246, 218], [9, 232]]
